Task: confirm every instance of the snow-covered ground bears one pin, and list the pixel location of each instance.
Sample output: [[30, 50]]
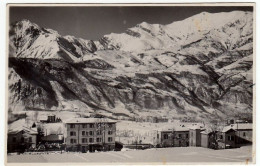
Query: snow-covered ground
[[175, 155]]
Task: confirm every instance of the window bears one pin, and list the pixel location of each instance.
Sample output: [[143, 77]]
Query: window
[[244, 134], [98, 132], [72, 133], [91, 125], [84, 140], [90, 139], [221, 137], [72, 126], [231, 138], [187, 135], [14, 139], [91, 132], [165, 136], [110, 139], [110, 132], [30, 139], [83, 132], [84, 126], [86, 133], [98, 139], [72, 141], [179, 135]]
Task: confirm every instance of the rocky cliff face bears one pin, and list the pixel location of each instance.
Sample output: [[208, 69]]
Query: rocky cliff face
[[198, 68]]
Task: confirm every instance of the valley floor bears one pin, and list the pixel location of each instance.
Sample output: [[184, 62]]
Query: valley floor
[[176, 155]]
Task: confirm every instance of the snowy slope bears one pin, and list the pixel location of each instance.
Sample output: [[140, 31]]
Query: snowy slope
[[194, 69]]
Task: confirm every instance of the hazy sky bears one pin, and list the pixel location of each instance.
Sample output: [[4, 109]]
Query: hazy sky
[[94, 22]]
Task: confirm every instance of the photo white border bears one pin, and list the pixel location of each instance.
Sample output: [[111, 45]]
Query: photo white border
[[3, 51]]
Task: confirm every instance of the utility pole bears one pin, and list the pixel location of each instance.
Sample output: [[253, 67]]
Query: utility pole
[[104, 132], [78, 136], [136, 142], [172, 138]]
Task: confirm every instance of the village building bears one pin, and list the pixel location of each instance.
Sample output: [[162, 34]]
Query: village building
[[209, 139], [195, 135], [21, 139], [178, 136], [50, 119], [166, 138], [181, 136], [244, 132], [231, 136], [226, 138], [90, 134]]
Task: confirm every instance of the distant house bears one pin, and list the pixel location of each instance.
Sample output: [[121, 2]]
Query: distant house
[[43, 119], [230, 121], [166, 138], [230, 136], [90, 134], [21, 139], [160, 119], [51, 118], [53, 138], [181, 136], [226, 138], [243, 132], [235, 121], [176, 137], [195, 136]]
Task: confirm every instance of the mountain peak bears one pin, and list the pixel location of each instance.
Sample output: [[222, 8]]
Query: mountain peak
[[144, 23], [25, 24]]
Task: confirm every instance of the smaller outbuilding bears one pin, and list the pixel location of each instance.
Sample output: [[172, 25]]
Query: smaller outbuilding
[[244, 132], [181, 136], [209, 139], [195, 136], [226, 138]]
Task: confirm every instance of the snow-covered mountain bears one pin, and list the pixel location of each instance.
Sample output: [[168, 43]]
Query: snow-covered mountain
[[198, 68]]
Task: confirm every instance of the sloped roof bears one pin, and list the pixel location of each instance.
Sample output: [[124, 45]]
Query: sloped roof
[[195, 127], [90, 120], [174, 128], [242, 126], [206, 132], [238, 126], [23, 128], [181, 128], [226, 129], [166, 129]]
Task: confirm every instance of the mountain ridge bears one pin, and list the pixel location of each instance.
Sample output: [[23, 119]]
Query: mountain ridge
[[202, 73]]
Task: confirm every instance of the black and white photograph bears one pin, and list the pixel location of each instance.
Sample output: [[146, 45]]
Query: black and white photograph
[[130, 83]]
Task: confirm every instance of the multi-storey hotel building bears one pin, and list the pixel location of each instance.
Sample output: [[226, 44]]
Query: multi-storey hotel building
[[90, 134]]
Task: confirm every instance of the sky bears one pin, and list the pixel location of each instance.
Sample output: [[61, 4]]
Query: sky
[[94, 22]]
